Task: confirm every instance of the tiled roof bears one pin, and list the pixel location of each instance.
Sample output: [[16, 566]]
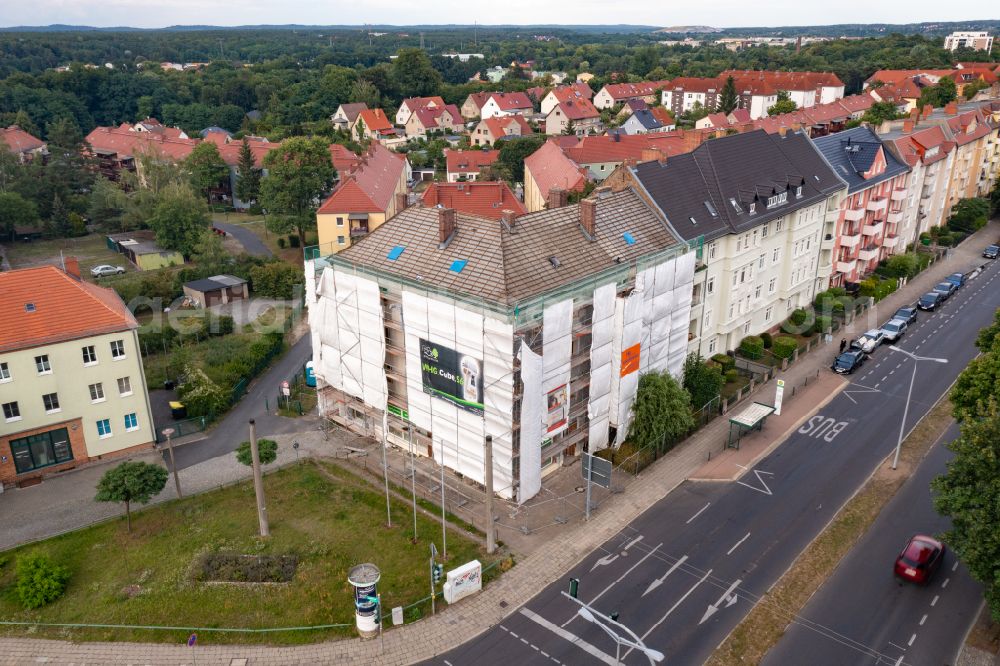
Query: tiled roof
[[913, 147], [621, 91], [63, 309], [747, 168], [851, 153], [550, 168], [428, 116], [512, 101], [344, 161], [498, 125], [466, 161], [414, 103], [740, 115], [573, 91], [352, 109], [663, 114], [230, 152], [620, 147], [482, 198], [775, 80], [968, 127], [375, 120], [507, 266], [718, 119], [578, 109], [897, 76], [19, 141], [126, 143], [693, 84], [479, 98], [370, 188]]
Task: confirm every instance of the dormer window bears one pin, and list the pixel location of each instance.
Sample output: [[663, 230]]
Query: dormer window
[[753, 208], [798, 191], [736, 206], [777, 199]]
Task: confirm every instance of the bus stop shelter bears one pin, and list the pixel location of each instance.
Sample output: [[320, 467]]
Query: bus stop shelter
[[750, 419]]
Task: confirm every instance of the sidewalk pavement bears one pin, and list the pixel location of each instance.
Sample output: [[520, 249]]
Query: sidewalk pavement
[[558, 550]]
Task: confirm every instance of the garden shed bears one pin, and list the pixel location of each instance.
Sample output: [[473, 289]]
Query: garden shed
[[216, 289]]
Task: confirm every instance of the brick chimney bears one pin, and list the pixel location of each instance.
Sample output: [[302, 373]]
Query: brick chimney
[[650, 154], [629, 162], [446, 226], [951, 108], [402, 201], [914, 114], [558, 197], [72, 267], [603, 192], [908, 126], [928, 110], [692, 139], [509, 219], [783, 130], [588, 216]]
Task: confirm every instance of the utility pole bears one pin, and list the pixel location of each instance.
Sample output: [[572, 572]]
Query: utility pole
[[444, 532], [385, 474], [258, 482], [413, 479], [491, 541], [173, 465]]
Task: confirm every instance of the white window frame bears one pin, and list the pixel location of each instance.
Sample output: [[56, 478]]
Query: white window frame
[[5, 375], [42, 361], [768, 313], [118, 352], [776, 255], [110, 431], [16, 407], [128, 382], [746, 327], [96, 392], [710, 285], [45, 403], [135, 420], [90, 351], [772, 285], [711, 346], [711, 249]]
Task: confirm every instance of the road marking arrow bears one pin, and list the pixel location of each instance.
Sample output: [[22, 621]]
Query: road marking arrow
[[604, 561], [659, 581], [728, 597]]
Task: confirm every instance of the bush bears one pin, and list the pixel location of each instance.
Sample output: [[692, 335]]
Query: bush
[[293, 240], [752, 347], [823, 324], [201, 395], [276, 280], [732, 375], [267, 450], [799, 322], [281, 242], [725, 361], [784, 346], [766, 339], [39, 581], [701, 380], [902, 265], [221, 325], [832, 301]]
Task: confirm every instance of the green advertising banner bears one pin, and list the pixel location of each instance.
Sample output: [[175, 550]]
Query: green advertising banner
[[454, 377]]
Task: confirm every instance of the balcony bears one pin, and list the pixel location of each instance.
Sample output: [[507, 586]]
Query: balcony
[[850, 240], [877, 204], [895, 218], [890, 242], [898, 194], [847, 266], [827, 242], [854, 214], [873, 229], [359, 230], [868, 253], [927, 193]]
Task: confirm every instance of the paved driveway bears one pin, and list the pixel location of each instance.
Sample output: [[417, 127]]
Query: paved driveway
[[247, 239]]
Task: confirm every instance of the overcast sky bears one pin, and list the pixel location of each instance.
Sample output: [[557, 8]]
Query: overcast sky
[[719, 13]]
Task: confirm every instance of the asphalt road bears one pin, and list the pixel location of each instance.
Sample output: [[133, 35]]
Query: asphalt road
[[863, 616], [685, 572], [250, 242]]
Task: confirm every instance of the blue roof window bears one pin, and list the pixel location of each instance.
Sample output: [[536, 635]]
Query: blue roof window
[[458, 265], [395, 252], [629, 238]]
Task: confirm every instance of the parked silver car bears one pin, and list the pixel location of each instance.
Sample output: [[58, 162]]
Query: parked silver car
[[893, 330]]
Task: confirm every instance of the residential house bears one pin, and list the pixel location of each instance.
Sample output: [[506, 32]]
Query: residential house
[[465, 165], [72, 386], [583, 115], [489, 199], [647, 121], [972, 133], [346, 114], [497, 128], [804, 88], [522, 310], [23, 145], [685, 93], [472, 107], [869, 225], [549, 177], [601, 155], [374, 192], [979, 40], [154, 126], [373, 124], [578, 90], [116, 149], [506, 104], [614, 94], [344, 161], [429, 119], [757, 204], [230, 153], [411, 104], [630, 107]]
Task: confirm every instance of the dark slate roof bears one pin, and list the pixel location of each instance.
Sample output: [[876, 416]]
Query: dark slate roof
[[646, 118], [853, 151], [214, 283], [508, 266], [695, 190]]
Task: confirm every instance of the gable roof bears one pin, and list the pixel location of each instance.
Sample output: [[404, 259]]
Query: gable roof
[[19, 141], [479, 98], [352, 109], [622, 91], [469, 161], [577, 109], [747, 168], [482, 198], [414, 103], [498, 125], [369, 189], [126, 143], [344, 161], [576, 90], [851, 153], [64, 309], [429, 116], [512, 101], [550, 167], [768, 80], [620, 147], [230, 152], [375, 120], [913, 148]]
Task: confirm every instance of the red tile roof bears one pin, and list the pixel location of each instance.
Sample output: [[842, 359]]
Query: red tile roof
[[483, 198], [718, 119], [663, 114], [127, 143], [64, 309], [579, 109], [479, 98], [344, 161], [620, 147], [371, 187], [898, 76], [230, 152], [782, 80], [622, 91], [693, 84], [512, 101], [375, 120], [740, 115], [414, 103], [19, 141], [469, 161], [962, 127], [498, 125], [913, 147], [578, 90], [550, 167], [429, 116]]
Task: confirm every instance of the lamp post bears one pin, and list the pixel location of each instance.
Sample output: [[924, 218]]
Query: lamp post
[[654, 656], [906, 409], [413, 479], [168, 432]]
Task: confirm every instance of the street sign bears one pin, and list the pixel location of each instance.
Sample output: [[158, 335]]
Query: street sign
[[601, 473], [778, 394], [434, 550], [285, 390]]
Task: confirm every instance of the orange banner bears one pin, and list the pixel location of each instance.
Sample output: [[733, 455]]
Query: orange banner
[[630, 360]]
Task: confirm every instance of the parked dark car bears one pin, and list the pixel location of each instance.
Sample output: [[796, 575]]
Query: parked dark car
[[992, 251], [930, 300], [848, 362], [946, 289], [957, 279], [921, 557], [909, 314]]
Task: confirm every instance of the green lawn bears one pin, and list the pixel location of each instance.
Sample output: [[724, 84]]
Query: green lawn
[[330, 523], [90, 250]]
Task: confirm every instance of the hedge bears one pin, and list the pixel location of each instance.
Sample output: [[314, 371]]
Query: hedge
[[727, 362], [784, 346], [766, 338], [823, 324], [732, 375], [752, 347]]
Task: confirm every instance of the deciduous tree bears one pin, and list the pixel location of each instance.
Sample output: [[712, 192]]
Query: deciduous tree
[[783, 105], [702, 382], [299, 174], [661, 412], [15, 211], [179, 219], [206, 168], [131, 482]]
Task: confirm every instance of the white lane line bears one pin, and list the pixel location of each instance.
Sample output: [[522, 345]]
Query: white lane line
[[568, 636], [659, 581], [674, 607], [899, 661], [954, 566], [885, 378], [632, 542], [898, 647], [738, 544], [697, 514], [621, 578], [912, 638], [945, 583], [514, 635], [935, 600], [923, 619], [879, 384], [525, 641], [447, 663], [532, 645]]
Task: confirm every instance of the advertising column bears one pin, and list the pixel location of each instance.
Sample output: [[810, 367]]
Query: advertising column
[[364, 579]]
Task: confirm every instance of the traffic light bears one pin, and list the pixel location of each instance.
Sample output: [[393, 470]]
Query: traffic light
[[574, 587], [614, 616], [437, 570]]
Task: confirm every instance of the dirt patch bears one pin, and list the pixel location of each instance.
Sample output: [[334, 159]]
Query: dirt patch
[[764, 626], [985, 634], [238, 568]]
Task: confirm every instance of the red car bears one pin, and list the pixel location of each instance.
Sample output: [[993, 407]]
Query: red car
[[921, 557]]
